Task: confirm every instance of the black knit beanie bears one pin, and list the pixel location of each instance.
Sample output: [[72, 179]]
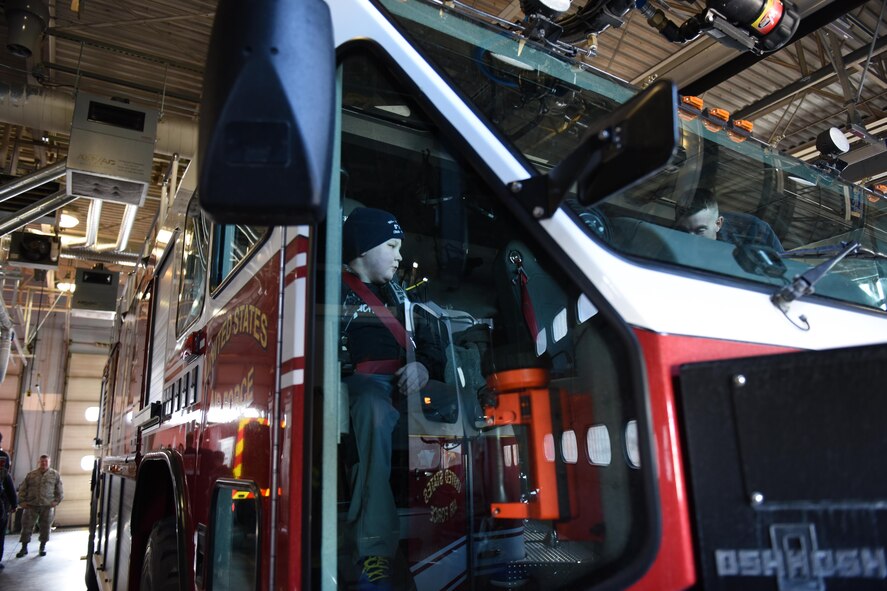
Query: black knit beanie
[[367, 228]]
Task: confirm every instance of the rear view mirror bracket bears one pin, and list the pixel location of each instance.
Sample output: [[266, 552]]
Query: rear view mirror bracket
[[628, 146]]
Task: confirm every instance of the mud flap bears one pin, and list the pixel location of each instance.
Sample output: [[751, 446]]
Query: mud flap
[[787, 475]]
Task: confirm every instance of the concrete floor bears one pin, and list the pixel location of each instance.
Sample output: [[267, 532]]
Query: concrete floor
[[61, 569]]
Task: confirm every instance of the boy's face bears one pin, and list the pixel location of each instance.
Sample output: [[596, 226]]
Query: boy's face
[[380, 262], [705, 222]]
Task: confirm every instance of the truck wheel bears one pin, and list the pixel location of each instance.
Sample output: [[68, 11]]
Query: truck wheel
[[92, 583], [160, 568]]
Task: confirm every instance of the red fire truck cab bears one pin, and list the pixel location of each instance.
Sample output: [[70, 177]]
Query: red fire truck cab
[[624, 402]]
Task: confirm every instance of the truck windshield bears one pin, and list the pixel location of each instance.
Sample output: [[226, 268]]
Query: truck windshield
[[727, 206]]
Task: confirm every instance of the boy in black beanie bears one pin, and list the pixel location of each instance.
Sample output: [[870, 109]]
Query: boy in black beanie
[[386, 364]]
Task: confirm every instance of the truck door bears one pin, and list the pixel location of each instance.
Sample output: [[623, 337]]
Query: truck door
[[523, 461]]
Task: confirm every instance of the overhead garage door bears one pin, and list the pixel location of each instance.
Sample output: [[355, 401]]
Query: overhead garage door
[[78, 432]]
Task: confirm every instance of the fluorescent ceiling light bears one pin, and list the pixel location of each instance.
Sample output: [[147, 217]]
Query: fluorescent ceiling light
[[553, 5], [802, 181], [512, 62], [402, 110]]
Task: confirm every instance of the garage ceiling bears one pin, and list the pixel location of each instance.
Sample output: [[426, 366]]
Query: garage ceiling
[[152, 54]]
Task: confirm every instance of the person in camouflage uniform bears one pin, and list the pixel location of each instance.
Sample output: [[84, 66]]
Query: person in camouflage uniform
[[39, 494]]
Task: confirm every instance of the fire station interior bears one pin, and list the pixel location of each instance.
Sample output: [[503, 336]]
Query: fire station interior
[[75, 234]]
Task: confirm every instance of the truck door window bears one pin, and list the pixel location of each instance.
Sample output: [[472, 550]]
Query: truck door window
[[160, 323], [195, 251], [487, 475], [234, 537], [232, 244]]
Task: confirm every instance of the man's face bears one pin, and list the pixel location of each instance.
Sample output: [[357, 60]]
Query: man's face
[[43, 464], [380, 262], [705, 222]]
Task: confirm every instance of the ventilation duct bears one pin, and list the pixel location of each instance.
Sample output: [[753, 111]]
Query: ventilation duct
[[35, 211], [53, 111], [111, 150], [26, 20], [6, 336], [23, 184], [93, 218], [107, 257], [129, 218]]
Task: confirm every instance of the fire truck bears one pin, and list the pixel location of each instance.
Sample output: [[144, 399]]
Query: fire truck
[[630, 401]]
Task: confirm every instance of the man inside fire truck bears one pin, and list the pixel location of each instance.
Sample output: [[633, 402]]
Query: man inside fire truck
[[698, 213], [386, 364]]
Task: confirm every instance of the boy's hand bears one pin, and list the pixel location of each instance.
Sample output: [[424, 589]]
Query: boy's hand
[[411, 378]]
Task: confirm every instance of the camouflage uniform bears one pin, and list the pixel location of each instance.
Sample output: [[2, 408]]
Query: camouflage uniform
[[39, 490]]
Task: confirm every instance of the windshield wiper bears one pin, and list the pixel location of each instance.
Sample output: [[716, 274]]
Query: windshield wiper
[[802, 285], [831, 250]]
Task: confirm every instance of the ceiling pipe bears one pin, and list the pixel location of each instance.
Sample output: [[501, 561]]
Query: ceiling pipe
[[164, 197], [129, 218], [53, 111], [16, 275], [82, 253], [5, 320], [743, 61], [35, 211], [6, 335], [174, 177], [92, 223], [25, 183]]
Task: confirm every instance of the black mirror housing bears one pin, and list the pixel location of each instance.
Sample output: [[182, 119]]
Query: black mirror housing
[[639, 140], [267, 115]]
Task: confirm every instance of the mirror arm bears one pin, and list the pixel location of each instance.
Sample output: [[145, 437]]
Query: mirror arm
[[542, 194]]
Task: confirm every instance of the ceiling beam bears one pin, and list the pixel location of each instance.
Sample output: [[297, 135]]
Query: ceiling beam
[[805, 82], [194, 67], [188, 98], [840, 66]]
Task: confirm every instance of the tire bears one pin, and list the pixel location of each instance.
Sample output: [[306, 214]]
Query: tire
[[92, 583], [160, 568]]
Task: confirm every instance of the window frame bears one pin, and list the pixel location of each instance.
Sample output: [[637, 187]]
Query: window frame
[[182, 267], [215, 290]]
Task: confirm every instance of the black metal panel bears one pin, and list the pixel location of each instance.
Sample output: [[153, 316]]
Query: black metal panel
[[787, 465]]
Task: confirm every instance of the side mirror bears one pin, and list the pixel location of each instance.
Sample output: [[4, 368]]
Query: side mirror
[[622, 149], [633, 143], [267, 115]]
